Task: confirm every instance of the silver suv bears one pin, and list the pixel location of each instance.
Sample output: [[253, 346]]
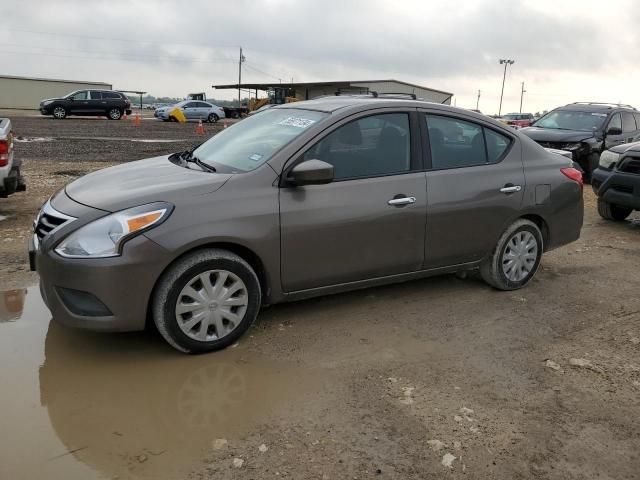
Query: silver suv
[[305, 199]]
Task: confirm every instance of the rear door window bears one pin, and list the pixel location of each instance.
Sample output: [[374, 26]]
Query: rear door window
[[628, 122], [96, 95], [456, 143]]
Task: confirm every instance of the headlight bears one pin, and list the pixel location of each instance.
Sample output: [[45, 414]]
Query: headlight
[[608, 159], [104, 237], [572, 146], [47, 102]]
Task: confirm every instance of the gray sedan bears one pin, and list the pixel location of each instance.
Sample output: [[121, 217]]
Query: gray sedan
[[192, 110], [304, 199]]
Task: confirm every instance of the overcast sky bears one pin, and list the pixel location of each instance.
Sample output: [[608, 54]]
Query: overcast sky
[[564, 50]]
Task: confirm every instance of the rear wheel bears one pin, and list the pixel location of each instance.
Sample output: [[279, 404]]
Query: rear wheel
[[516, 258], [609, 211], [206, 301], [114, 114], [59, 112], [212, 118]]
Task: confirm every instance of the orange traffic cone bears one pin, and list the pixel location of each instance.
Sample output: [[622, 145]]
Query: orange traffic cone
[[224, 125], [137, 119], [124, 117], [200, 128]]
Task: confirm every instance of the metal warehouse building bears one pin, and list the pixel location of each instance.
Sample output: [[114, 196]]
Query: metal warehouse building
[[26, 92], [309, 90]]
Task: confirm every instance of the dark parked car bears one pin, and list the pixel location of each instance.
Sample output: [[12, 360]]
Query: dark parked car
[[304, 199], [586, 129], [88, 103], [617, 182]]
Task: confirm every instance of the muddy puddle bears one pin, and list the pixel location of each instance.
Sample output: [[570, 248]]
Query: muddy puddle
[[21, 139], [79, 405]]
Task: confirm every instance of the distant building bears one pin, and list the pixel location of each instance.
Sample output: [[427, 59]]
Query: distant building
[[309, 90], [26, 92]]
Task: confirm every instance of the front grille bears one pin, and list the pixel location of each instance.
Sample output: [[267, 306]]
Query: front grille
[[49, 220], [630, 165], [622, 188]]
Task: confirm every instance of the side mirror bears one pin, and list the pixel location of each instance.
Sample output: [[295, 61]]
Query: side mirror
[[614, 131], [311, 172]]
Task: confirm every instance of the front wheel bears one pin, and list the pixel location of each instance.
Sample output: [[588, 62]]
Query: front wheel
[[59, 112], [609, 211], [206, 301], [114, 114], [516, 257]]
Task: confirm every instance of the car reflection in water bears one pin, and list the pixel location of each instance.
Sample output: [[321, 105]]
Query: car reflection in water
[[11, 305], [125, 398]]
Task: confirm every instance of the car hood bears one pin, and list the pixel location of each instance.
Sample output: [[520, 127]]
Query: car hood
[[51, 99], [550, 135], [140, 182]]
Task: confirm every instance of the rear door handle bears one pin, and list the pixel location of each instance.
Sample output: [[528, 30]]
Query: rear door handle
[[400, 201], [510, 188]]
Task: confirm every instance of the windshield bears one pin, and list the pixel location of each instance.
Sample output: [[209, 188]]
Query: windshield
[[251, 142], [568, 120], [512, 116]]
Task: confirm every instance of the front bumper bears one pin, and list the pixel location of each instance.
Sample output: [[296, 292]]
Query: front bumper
[[104, 294], [45, 110], [617, 188]]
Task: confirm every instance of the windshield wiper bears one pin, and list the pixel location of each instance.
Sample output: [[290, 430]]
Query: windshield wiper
[[190, 158]]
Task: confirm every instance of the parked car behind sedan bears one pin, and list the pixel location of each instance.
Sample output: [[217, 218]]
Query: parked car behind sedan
[[88, 103], [11, 179], [586, 129], [616, 182], [303, 199], [519, 120], [193, 110]]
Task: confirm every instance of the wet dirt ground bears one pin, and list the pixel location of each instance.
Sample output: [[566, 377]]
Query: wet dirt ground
[[439, 378]]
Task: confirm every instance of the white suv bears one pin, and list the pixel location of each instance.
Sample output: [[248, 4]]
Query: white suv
[[10, 179]]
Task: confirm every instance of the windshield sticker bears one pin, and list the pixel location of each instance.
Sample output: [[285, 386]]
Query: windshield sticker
[[599, 114], [255, 157], [297, 122]]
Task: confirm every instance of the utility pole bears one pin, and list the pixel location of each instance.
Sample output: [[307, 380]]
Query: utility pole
[[522, 92], [506, 62], [478, 101], [240, 62]]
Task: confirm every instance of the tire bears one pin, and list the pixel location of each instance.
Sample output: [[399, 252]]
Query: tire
[[59, 113], [182, 287], [212, 118], [173, 119], [609, 211], [523, 267], [114, 114], [235, 114]]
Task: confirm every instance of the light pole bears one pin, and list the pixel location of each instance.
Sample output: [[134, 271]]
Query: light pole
[[478, 101], [506, 63], [522, 92]]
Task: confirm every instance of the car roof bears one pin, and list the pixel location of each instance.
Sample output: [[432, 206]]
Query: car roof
[[596, 107], [331, 104]]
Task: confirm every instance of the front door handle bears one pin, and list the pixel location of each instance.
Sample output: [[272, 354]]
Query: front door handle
[[401, 201], [510, 188]]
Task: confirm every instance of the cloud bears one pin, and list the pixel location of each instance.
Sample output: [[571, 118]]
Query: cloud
[[171, 47]]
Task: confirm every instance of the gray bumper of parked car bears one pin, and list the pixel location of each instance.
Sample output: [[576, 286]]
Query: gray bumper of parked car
[[104, 294]]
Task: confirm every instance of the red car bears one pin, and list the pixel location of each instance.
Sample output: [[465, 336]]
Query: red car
[[519, 120]]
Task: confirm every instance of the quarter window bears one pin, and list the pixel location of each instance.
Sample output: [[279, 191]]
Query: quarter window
[[110, 95], [457, 143], [628, 122], [368, 147]]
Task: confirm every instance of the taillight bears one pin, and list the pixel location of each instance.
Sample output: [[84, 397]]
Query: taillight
[[4, 153], [573, 174]]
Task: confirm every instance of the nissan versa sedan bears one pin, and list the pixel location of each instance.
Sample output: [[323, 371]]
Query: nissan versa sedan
[[305, 199]]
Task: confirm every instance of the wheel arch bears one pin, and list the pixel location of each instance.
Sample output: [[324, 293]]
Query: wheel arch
[[542, 225], [248, 255]]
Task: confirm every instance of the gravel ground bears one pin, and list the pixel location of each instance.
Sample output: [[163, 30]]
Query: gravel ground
[[439, 378]]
